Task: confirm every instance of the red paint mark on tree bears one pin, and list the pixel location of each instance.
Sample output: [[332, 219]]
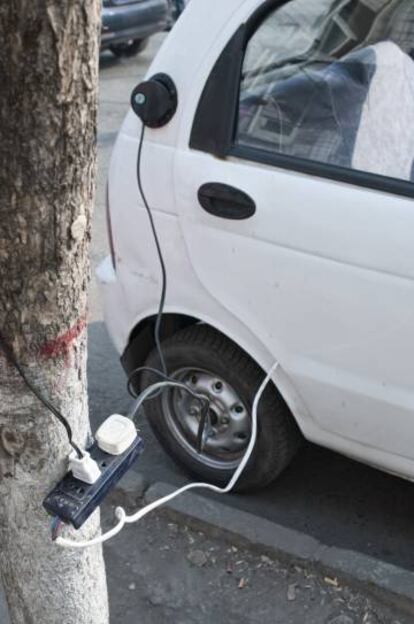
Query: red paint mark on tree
[[61, 345]]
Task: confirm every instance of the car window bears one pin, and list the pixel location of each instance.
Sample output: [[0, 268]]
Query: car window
[[332, 81]]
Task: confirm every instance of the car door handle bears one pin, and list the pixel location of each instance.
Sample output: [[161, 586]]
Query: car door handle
[[227, 202]]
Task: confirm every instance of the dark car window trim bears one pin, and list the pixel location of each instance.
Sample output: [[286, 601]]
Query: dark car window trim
[[214, 126], [331, 172], [215, 122]]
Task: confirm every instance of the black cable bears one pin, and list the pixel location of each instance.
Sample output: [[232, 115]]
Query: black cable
[[205, 401], [144, 369], [161, 258], [9, 353], [201, 428], [154, 371], [164, 373]]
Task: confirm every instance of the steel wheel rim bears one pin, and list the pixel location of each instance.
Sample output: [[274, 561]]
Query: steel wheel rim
[[230, 419]]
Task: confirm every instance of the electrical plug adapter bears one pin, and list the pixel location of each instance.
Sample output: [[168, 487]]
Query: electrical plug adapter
[[116, 434], [85, 468]]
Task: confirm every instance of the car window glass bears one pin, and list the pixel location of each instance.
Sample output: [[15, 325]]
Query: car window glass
[[332, 81]]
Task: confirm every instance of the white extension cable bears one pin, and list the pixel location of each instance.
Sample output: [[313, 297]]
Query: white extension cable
[[124, 519]]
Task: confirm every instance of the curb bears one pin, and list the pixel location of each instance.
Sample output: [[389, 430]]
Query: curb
[[387, 583]]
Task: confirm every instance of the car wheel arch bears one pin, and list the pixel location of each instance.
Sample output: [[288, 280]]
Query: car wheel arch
[[141, 343]]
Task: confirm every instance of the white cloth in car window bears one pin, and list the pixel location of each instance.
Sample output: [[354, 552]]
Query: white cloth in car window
[[385, 139]]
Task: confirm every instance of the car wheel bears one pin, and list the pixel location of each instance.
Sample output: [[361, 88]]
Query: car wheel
[[129, 48], [211, 364]]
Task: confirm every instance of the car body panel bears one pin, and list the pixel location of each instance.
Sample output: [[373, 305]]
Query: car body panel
[[320, 279]]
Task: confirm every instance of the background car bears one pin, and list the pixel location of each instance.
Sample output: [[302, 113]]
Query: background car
[[177, 7], [127, 24]]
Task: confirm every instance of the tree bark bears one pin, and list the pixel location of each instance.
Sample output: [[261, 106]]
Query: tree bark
[[48, 105]]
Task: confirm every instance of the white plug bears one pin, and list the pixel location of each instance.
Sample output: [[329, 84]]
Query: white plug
[[116, 434], [85, 469]]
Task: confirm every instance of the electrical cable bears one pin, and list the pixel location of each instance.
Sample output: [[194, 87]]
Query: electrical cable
[[204, 419], [160, 385], [9, 353], [124, 519], [156, 391], [56, 525], [157, 327], [143, 369], [156, 388], [170, 381]]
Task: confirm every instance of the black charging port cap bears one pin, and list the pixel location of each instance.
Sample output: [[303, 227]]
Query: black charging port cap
[[155, 100]]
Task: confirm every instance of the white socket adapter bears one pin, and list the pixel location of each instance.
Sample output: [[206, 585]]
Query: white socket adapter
[[116, 434], [114, 437], [85, 468]]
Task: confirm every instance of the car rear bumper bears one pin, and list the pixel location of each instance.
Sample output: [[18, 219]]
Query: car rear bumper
[[133, 21]]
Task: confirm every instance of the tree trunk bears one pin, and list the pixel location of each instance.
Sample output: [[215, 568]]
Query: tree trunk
[[48, 104]]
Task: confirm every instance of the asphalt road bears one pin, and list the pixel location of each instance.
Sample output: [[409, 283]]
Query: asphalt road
[[338, 501]]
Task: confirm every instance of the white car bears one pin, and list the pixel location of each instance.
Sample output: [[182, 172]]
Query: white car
[[282, 194]]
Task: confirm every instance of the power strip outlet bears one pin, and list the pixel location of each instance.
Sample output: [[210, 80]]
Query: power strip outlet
[[73, 501]]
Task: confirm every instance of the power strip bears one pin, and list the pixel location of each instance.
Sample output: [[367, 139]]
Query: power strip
[[73, 501]]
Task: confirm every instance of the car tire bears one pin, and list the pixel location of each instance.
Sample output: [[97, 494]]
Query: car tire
[[129, 48], [203, 357]]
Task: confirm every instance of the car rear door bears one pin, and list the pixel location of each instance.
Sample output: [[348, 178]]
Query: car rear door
[[296, 207]]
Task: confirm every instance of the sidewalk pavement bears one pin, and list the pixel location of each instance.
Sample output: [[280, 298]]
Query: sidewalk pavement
[[162, 570]]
